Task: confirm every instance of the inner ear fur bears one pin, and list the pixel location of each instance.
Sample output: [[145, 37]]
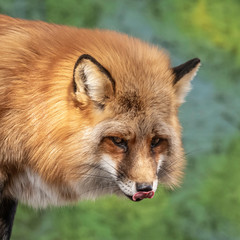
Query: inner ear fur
[[183, 74], [91, 81]]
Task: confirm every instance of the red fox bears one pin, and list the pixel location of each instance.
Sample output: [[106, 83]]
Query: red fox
[[85, 113]]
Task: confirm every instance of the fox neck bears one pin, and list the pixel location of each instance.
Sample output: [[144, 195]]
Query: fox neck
[[29, 188]]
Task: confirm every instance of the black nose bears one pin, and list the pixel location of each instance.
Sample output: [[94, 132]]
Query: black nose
[[144, 187]]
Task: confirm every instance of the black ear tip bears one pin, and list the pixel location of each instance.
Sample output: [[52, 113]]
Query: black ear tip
[[192, 63], [184, 68], [196, 61]]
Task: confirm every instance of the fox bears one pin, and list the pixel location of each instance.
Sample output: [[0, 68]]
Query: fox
[[84, 113]]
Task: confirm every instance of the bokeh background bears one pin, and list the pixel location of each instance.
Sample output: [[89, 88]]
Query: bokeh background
[[207, 206]]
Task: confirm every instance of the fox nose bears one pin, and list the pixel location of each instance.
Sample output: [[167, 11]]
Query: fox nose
[[144, 187]]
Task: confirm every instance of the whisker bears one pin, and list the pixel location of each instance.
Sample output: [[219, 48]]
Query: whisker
[[96, 166], [104, 170], [98, 188], [165, 172], [97, 176], [117, 170], [169, 164], [199, 150]]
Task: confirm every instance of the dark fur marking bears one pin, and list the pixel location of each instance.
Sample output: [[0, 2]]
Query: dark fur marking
[[99, 105], [184, 68], [74, 86], [84, 79], [131, 102], [101, 68], [7, 212]]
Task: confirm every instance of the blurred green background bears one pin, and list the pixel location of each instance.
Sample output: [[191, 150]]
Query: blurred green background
[[207, 206]]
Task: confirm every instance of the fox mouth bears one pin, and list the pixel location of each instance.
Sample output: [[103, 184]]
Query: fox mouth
[[139, 196]]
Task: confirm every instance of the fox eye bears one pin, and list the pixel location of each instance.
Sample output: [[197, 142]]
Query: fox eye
[[156, 141], [120, 142]]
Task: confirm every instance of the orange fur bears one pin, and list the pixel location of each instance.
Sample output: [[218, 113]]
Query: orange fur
[[60, 135]]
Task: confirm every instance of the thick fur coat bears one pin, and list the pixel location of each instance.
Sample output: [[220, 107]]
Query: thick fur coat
[[86, 112]]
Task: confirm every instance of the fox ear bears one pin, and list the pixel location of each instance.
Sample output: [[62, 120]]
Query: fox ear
[[92, 81], [183, 74]]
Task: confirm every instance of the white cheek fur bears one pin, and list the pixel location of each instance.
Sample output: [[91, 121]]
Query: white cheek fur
[[109, 165], [155, 185], [160, 161], [155, 182]]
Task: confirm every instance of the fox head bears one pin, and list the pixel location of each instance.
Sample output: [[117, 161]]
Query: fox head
[[98, 114], [135, 138]]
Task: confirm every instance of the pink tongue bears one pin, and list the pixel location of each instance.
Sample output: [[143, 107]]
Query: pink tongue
[[142, 195]]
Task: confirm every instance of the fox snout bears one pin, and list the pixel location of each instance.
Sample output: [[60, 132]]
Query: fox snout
[[144, 187], [144, 190], [131, 183], [138, 191]]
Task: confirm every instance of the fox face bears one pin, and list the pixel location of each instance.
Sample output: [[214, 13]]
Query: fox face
[[138, 139], [85, 113]]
